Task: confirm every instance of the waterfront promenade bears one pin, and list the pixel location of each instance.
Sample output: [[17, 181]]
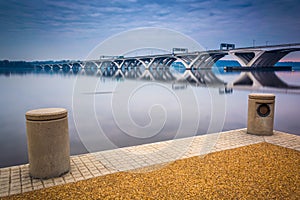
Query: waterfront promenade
[[15, 180]]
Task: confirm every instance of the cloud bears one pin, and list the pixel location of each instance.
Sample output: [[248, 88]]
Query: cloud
[[209, 22]]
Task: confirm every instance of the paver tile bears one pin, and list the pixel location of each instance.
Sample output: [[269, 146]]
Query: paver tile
[[16, 179]]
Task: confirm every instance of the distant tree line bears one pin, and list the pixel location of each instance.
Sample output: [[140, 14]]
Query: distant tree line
[[24, 64], [15, 64], [49, 62]]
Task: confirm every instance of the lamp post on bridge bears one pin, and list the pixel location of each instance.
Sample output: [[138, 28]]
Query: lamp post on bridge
[[267, 42]]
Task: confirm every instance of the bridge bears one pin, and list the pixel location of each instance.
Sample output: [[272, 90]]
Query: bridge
[[193, 60], [259, 56]]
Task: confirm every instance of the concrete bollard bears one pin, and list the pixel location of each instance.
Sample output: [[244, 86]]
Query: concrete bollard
[[48, 142], [261, 114]]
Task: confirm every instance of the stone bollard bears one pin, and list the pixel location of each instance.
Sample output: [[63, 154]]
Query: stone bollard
[[48, 142], [261, 114]]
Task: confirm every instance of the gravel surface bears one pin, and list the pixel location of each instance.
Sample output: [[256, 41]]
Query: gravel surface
[[259, 171]]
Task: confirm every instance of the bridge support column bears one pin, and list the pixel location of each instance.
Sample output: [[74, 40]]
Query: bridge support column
[[246, 58]]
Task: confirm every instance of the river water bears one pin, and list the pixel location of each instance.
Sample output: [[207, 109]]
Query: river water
[[116, 108]]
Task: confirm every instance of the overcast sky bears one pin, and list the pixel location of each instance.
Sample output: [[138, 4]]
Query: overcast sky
[[71, 29]]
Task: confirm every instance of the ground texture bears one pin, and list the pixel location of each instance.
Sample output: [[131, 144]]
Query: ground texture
[[258, 171]]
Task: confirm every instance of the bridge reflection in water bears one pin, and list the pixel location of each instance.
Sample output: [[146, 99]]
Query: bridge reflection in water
[[179, 78], [44, 87], [256, 80]]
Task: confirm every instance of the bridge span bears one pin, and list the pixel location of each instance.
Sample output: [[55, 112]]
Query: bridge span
[[259, 56], [192, 60], [262, 56]]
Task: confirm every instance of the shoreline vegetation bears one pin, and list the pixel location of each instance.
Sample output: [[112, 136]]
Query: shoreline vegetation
[[25, 64]]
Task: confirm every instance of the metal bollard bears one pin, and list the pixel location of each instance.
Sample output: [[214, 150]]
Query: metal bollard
[[261, 114], [48, 142]]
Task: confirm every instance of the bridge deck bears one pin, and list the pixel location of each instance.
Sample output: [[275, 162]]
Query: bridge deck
[[269, 46]]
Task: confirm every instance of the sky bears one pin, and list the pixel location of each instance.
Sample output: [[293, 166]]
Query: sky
[[71, 29]]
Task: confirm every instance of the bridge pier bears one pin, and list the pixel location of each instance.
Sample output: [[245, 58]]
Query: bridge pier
[[259, 57]]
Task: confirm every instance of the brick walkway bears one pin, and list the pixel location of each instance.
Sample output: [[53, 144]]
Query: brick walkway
[[14, 180]]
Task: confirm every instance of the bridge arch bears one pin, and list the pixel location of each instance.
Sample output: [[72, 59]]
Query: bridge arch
[[260, 58], [270, 58]]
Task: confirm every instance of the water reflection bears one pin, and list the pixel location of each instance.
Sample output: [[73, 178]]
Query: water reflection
[[202, 77], [25, 89], [262, 79]]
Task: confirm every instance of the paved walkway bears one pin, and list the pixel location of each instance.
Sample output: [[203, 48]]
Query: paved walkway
[[14, 180]]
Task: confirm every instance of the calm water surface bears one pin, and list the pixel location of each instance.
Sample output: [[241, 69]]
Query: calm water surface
[[111, 109]]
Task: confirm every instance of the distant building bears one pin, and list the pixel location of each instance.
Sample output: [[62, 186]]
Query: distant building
[[111, 57], [179, 50], [225, 46]]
